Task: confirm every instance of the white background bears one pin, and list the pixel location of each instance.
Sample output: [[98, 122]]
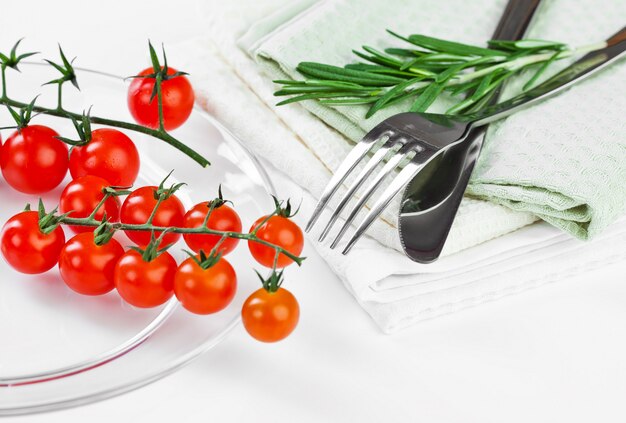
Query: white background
[[557, 353]]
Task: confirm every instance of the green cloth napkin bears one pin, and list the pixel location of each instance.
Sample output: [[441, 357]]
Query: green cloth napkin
[[564, 160]]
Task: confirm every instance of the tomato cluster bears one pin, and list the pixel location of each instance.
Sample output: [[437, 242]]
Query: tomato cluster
[[93, 262], [34, 160]]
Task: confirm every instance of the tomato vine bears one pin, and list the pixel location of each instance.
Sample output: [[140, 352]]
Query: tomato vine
[[49, 221], [68, 74]]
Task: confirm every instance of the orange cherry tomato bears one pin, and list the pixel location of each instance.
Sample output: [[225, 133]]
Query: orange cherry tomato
[[270, 316]]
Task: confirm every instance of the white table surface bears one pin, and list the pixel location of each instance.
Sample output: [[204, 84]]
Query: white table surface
[[557, 353]]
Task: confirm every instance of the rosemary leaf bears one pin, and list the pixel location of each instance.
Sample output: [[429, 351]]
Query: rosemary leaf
[[525, 44], [443, 57], [461, 88], [453, 70], [378, 60], [427, 97], [485, 85], [322, 71], [390, 95], [409, 63], [347, 101], [483, 102], [382, 56], [378, 69], [452, 47], [403, 52], [408, 94], [322, 83], [540, 71], [289, 90], [314, 96], [464, 104]]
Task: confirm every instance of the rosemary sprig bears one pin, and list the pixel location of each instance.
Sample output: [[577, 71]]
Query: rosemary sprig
[[425, 70], [68, 74]]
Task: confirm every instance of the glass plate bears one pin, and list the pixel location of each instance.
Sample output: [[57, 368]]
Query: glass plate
[[63, 349]]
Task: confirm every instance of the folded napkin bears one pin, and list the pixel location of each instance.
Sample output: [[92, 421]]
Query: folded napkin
[[300, 151], [563, 161]]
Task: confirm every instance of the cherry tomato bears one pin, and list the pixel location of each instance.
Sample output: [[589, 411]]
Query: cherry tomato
[[82, 196], [33, 161], [143, 283], [178, 98], [137, 209], [110, 155], [26, 248], [205, 291], [88, 268], [223, 218], [280, 231], [270, 316]]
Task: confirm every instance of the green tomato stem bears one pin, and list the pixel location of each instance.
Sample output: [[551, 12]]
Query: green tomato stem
[[100, 204], [154, 210], [199, 230], [156, 133], [60, 97], [159, 82], [4, 82]]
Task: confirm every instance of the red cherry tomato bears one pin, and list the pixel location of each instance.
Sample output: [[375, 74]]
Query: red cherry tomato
[[88, 268], [205, 291], [178, 98], [33, 161], [143, 283], [110, 155], [223, 218], [270, 316], [26, 248], [137, 209], [280, 231], [82, 196]]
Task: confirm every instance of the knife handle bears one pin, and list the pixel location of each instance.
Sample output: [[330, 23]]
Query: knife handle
[[583, 68], [517, 16]]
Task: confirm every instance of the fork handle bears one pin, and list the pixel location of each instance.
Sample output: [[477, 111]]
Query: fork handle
[[585, 67]]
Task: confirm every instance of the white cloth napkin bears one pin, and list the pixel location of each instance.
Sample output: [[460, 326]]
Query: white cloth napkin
[[300, 152]]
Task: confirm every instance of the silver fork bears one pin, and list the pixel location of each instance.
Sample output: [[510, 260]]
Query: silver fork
[[424, 136]]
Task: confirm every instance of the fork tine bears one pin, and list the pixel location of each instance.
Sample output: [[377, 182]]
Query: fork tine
[[403, 178], [399, 183], [380, 177], [356, 184], [357, 154]]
